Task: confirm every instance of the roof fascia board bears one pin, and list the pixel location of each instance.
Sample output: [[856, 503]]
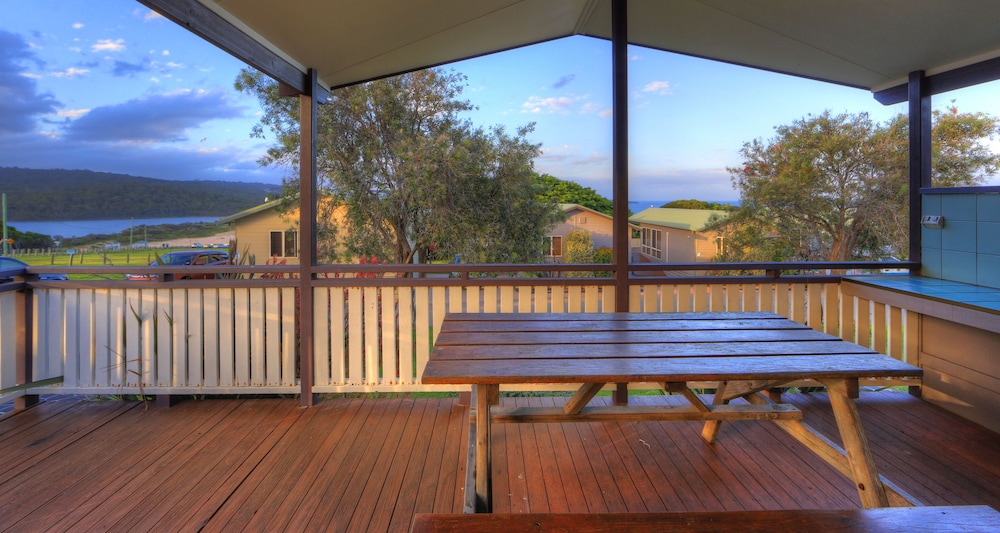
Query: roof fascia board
[[216, 29], [942, 82]]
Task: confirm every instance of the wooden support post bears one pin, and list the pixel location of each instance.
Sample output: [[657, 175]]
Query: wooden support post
[[484, 484], [24, 324], [710, 431], [865, 474], [620, 395]]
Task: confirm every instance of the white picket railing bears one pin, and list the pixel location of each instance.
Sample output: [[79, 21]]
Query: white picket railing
[[113, 340]]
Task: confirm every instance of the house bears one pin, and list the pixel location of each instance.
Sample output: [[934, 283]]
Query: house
[[578, 217], [677, 235]]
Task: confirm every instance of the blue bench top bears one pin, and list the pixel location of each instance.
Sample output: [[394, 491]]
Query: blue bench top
[[943, 290]]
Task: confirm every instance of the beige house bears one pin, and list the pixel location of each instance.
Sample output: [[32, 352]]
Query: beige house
[[578, 217], [677, 235], [265, 232]]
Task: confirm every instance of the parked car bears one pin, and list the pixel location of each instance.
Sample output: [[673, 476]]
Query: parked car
[[187, 258], [9, 263]]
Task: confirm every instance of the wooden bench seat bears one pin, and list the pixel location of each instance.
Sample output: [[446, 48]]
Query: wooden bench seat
[[894, 519]]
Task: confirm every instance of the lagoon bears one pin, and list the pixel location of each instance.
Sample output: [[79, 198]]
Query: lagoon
[[79, 228]]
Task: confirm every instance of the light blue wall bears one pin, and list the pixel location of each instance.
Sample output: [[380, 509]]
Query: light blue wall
[[967, 248]]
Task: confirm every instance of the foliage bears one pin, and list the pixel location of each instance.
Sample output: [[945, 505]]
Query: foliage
[[410, 174], [578, 248], [960, 157], [27, 240], [699, 204], [835, 187], [34, 195], [604, 255], [568, 192]]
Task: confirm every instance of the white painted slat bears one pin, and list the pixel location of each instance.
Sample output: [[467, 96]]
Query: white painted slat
[[407, 374], [590, 299], [258, 362], [147, 366], [132, 356], [558, 298], [390, 352], [879, 333], [272, 336], [734, 296], [473, 299], [831, 306], [455, 298], [288, 336], [227, 340], [85, 338], [507, 299], [164, 339], [195, 337], [575, 300], [684, 298], [491, 303], [241, 341], [178, 354], [103, 337], [55, 350], [211, 349], [541, 299], [322, 324], [798, 309], [71, 326], [371, 324], [635, 301], [338, 336], [423, 325], [524, 299], [355, 336]]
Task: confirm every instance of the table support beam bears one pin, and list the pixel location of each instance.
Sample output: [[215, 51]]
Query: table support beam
[[859, 455]]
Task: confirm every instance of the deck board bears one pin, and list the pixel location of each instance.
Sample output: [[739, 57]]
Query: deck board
[[364, 464]]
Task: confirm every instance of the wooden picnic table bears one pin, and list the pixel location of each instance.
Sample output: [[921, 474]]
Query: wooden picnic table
[[742, 353]]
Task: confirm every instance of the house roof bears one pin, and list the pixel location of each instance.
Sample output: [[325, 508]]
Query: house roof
[[252, 211], [566, 208], [686, 219], [861, 43]]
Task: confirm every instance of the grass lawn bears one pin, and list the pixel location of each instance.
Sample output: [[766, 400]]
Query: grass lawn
[[91, 259]]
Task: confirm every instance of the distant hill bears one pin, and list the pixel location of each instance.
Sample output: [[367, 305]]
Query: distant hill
[[35, 195]]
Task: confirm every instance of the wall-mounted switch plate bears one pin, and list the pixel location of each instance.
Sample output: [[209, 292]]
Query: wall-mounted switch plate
[[932, 221]]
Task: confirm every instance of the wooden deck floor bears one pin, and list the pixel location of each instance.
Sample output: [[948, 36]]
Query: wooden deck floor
[[370, 464]]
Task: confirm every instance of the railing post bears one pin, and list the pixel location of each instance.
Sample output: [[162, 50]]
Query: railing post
[[24, 356]]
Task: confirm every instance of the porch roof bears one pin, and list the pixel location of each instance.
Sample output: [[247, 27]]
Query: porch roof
[[871, 45]]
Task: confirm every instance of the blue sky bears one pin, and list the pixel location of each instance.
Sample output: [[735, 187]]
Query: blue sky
[[109, 86]]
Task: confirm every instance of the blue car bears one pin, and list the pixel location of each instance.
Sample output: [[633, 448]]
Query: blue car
[[9, 263]]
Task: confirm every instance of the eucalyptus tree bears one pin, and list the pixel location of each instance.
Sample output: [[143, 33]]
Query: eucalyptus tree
[[402, 175]]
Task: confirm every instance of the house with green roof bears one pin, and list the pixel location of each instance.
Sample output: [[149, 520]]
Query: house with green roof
[[677, 235]]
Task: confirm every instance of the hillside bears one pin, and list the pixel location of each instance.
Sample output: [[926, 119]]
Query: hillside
[[36, 195]]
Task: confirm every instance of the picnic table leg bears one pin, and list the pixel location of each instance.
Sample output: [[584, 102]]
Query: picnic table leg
[[711, 429], [486, 395], [842, 393]]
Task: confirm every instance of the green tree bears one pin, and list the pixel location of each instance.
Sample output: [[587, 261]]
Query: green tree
[[699, 204], [835, 187], [578, 248], [568, 192], [410, 175]]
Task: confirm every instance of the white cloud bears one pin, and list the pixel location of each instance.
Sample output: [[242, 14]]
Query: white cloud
[[172, 64], [557, 104], [71, 72], [29, 75], [77, 25], [658, 87], [108, 45], [72, 113], [152, 15], [607, 113], [165, 52]]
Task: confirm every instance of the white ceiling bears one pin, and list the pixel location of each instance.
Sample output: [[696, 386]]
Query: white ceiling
[[872, 44]]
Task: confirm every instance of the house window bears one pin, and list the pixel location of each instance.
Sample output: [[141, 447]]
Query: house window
[[553, 246], [652, 243], [284, 243]]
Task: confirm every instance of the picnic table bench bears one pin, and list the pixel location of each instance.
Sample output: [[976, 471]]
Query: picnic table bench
[[895, 519], [744, 353]]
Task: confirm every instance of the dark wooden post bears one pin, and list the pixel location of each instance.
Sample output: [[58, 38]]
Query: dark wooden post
[[308, 109], [24, 323], [622, 242], [920, 153]]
